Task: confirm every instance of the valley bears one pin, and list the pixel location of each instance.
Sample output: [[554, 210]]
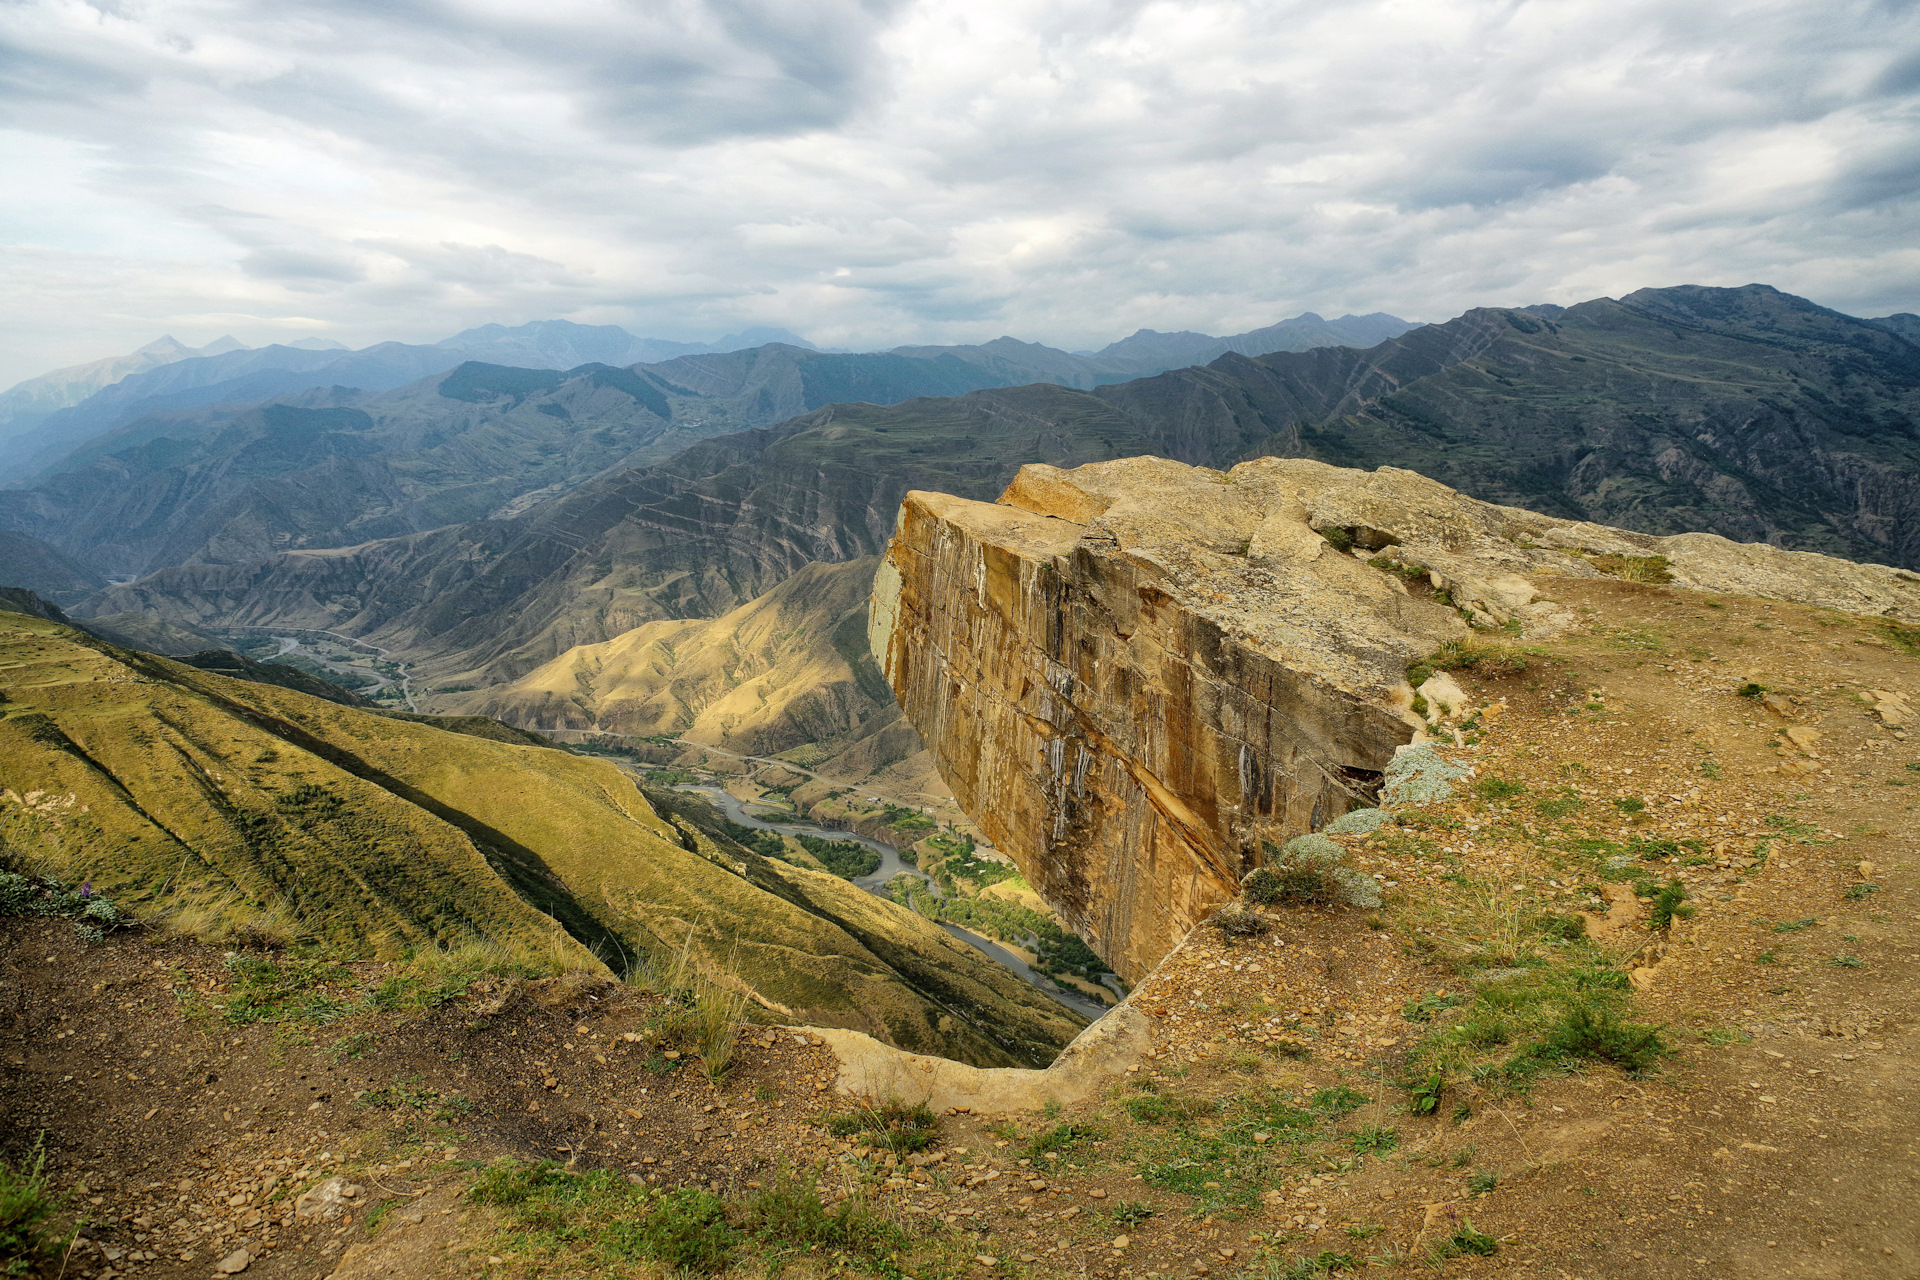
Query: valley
[[1214, 792]]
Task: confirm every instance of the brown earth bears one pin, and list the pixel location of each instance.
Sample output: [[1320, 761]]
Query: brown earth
[[1777, 1138]]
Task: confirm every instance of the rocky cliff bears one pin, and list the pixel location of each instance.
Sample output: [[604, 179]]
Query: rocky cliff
[[1133, 673]]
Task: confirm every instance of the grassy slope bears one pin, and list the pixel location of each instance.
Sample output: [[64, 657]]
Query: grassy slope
[[760, 679], [229, 802]]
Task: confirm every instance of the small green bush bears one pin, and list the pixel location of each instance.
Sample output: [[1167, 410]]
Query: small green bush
[[790, 1215], [1376, 1138], [1310, 870], [1467, 1240], [1061, 1137], [1491, 788], [687, 1230], [28, 1208], [1667, 905], [1595, 1032]]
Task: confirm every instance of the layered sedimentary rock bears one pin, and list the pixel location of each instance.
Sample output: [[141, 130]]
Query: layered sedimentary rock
[[1134, 673]]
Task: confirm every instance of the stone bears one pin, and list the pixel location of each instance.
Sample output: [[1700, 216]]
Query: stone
[[234, 1263], [1360, 822], [327, 1201], [1133, 673]]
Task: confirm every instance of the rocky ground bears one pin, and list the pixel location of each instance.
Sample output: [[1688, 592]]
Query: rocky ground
[[1288, 1121]]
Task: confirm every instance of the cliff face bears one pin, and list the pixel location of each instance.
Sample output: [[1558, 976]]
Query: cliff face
[[1133, 673]]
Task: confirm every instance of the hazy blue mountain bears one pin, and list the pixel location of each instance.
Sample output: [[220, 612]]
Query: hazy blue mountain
[[1904, 323], [226, 373], [37, 566], [1149, 352], [26, 404], [333, 466], [1303, 332]]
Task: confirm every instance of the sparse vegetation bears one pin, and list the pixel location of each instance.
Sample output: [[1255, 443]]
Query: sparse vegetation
[[29, 1210], [893, 1125]]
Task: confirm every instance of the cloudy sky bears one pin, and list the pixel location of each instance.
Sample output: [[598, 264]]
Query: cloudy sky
[[870, 172]]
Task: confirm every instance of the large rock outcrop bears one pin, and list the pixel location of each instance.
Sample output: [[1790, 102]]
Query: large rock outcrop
[[1134, 672]]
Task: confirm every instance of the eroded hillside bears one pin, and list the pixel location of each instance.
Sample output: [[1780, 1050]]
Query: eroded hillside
[[239, 807]]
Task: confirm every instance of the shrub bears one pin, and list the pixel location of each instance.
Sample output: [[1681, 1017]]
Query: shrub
[[1491, 788], [789, 1214], [1060, 1137], [1635, 568], [1467, 1240], [1240, 920], [1374, 1138], [1595, 1032], [1261, 885], [1666, 905], [1310, 870]]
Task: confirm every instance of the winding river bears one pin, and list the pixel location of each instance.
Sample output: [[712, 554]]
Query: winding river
[[891, 866]]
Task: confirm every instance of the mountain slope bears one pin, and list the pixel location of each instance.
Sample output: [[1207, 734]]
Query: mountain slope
[[173, 788], [334, 468], [1743, 412], [40, 567], [757, 680], [25, 404], [720, 524]]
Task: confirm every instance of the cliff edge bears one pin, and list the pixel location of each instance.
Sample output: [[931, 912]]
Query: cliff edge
[[1134, 673]]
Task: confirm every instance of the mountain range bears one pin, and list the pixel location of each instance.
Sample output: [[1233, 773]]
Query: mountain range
[[44, 420], [1746, 412]]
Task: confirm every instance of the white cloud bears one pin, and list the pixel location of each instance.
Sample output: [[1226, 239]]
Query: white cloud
[[879, 171]]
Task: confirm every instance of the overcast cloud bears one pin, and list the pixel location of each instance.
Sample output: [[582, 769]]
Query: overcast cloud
[[870, 172]]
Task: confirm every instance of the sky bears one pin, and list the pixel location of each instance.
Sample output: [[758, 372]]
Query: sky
[[877, 172]]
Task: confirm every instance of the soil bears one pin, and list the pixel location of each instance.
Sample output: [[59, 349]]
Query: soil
[[1778, 1139]]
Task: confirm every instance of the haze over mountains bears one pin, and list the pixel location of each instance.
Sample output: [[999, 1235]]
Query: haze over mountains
[[43, 419]]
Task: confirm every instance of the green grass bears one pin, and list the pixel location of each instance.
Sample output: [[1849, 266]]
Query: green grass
[[893, 1125], [1061, 1138], [598, 1221], [1374, 1138], [29, 1210]]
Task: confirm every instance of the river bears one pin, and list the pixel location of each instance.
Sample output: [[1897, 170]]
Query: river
[[891, 866]]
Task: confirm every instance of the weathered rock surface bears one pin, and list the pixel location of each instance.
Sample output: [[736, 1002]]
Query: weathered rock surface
[[1133, 672]]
